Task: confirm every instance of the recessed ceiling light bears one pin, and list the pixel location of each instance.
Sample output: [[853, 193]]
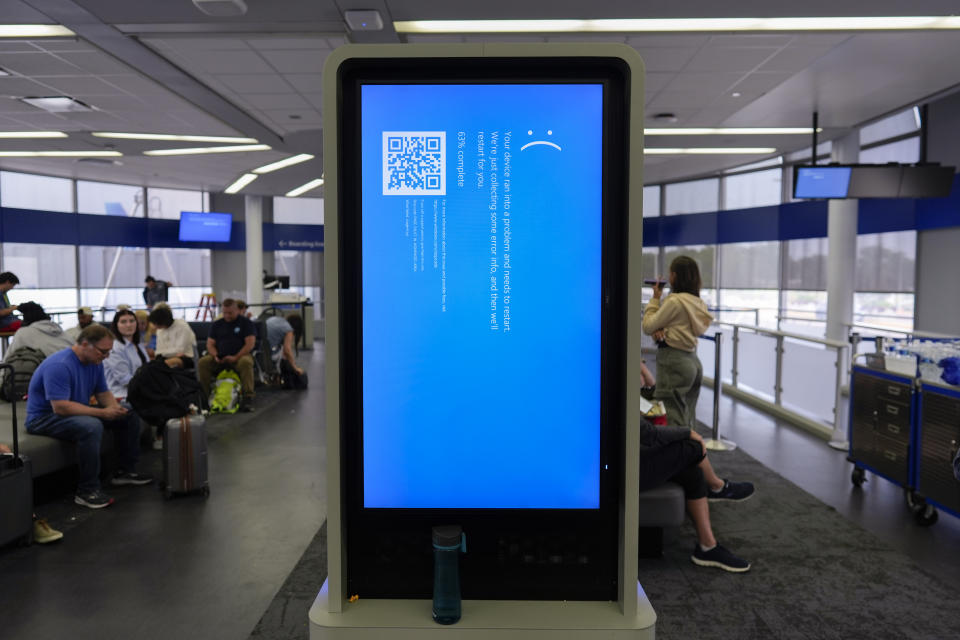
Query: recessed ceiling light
[[702, 25], [735, 94], [243, 181], [203, 150], [57, 104], [60, 154], [723, 131], [267, 168], [32, 134], [3, 72], [34, 31], [302, 189], [170, 136], [703, 151]]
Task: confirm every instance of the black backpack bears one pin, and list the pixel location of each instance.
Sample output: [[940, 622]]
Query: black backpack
[[290, 379], [24, 361], [159, 393]]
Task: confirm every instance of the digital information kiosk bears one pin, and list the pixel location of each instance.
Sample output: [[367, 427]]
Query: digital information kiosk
[[483, 216]]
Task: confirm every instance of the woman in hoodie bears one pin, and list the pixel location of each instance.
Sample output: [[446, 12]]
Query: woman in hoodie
[[37, 332], [676, 325]]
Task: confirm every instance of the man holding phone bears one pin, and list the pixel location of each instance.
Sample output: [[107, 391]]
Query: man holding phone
[[58, 405]]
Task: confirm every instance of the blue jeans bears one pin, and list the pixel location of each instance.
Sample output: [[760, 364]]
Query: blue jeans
[[86, 432]]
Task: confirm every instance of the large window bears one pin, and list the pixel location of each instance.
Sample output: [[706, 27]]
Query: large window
[[298, 210], [187, 269], [749, 275], [110, 199], [47, 273], [907, 121], [886, 267], [755, 189], [696, 196], [907, 151], [168, 203], [651, 202], [27, 191]]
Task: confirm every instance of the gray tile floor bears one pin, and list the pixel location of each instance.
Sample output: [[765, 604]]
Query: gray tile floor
[[190, 568]]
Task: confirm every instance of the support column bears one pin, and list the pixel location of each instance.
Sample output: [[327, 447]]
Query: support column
[[253, 225], [842, 247]]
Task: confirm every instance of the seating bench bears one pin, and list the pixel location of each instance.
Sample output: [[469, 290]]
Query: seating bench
[[660, 507]]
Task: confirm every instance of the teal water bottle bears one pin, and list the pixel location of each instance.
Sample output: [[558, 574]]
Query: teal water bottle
[[448, 543]]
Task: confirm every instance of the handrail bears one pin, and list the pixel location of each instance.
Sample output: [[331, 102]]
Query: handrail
[[837, 344], [918, 334]]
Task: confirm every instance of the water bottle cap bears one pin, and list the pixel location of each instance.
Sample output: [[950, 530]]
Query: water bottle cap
[[447, 536]]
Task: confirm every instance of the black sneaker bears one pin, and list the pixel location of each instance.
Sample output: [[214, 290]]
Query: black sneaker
[[732, 491], [94, 500], [130, 477], [720, 558], [246, 404]]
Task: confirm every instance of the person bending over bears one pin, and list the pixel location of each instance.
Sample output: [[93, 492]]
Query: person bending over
[[282, 334], [175, 339], [231, 341], [678, 454], [676, 325], [155, 291], [58, 406]]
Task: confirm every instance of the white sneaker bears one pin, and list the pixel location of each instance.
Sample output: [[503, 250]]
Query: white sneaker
[[158, 444]]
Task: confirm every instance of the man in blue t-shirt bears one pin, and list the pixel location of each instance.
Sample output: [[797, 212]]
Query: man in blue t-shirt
[[58, 405], [229, 345]]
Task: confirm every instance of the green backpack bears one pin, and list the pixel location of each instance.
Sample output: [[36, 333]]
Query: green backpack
[[225, 395]]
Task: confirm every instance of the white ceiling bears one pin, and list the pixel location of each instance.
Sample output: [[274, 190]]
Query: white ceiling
[[165, 67]]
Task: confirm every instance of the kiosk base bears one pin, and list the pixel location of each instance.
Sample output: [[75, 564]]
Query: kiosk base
[[508, 619]]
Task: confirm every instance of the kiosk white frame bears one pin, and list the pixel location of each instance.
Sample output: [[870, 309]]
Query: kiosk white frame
[[332, 615]]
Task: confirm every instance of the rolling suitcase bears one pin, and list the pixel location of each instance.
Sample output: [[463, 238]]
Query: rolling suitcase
[[16, 487], [185, 456]]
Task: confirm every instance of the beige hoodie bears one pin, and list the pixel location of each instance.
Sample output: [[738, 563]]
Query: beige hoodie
[[682, 316]]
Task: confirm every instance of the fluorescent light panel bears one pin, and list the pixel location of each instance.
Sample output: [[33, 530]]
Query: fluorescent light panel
[[673, 25], [705, 151], [243, 181], [302, 189], [34, 31], [173, 137], [203, 150], [57, 104], [287, 162], [60, 154], [32, 134], [721, 131]]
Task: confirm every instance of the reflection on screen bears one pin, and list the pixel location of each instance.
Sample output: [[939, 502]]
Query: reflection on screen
[[481, 234], [822, 182]]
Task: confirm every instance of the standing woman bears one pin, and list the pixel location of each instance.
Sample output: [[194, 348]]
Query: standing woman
[[127, 354], [676, 325]]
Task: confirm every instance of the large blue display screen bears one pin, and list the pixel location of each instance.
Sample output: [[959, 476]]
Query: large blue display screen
[[822, 182], [481, 266], [205, 227]]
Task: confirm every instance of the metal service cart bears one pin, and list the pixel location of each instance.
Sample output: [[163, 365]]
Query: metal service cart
[[938, 438]]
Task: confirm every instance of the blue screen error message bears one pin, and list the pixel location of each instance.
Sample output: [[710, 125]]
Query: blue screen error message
[[481, 264]]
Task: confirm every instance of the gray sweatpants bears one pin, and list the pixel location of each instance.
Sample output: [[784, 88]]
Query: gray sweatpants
[[679, 374]]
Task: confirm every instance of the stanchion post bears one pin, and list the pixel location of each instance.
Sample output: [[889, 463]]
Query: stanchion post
[[716, 443]]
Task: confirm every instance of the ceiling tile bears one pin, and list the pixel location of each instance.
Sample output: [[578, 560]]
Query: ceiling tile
[[729, 58], [255, 83], [9, 105], [22, 87], [86, 85], [114, 103], [16, 44], [752, 40], [99, 63], [305, 82], [760, 82], [64, 45], [794, 59], [675, 40], [708, 84], [666, 58], [280, 44], [297, 61], [37, 64], [589, 37], [139, 85], [282, 116], [228, 43], [315, 99], [230, 62], [277, 101]]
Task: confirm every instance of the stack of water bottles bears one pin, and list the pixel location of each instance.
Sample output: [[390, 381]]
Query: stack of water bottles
[[933, 359]]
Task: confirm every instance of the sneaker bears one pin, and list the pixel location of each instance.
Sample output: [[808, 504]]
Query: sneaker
[[95, 500], [731, 491], [44, 533], [158, 444], [720, 558], [246, 404], [130, 477]]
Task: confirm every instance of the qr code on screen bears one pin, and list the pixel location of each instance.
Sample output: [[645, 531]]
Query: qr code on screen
[[414, 163]]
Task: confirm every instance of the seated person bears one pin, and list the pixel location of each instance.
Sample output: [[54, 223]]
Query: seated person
[[127, 355], [84, 320], [42, 531], [679, 455], [231, 341], [8, 321], [148, 337], [282, 334], [244, 309], [58, 406], [38, 332], [175, 339]]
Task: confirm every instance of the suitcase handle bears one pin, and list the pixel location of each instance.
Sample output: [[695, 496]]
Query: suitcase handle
[[13, 408]]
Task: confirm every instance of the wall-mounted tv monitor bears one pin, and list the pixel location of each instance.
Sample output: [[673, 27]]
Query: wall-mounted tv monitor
[[926, 182], [821, 182], [875, 182], [205, 227]]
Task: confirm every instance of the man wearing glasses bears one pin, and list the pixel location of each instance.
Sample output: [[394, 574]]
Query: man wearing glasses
[[58, 405]]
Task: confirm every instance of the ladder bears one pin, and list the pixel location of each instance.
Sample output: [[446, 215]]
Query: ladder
[[208, 306]]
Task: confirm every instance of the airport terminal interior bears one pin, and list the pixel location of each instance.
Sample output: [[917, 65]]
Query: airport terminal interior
[[831, 367]]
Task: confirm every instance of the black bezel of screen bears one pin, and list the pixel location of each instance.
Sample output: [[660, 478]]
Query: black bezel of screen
[[512, 553]]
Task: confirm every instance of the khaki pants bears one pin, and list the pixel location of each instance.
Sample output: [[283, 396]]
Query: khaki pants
[[679, 374], [207, 367]]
